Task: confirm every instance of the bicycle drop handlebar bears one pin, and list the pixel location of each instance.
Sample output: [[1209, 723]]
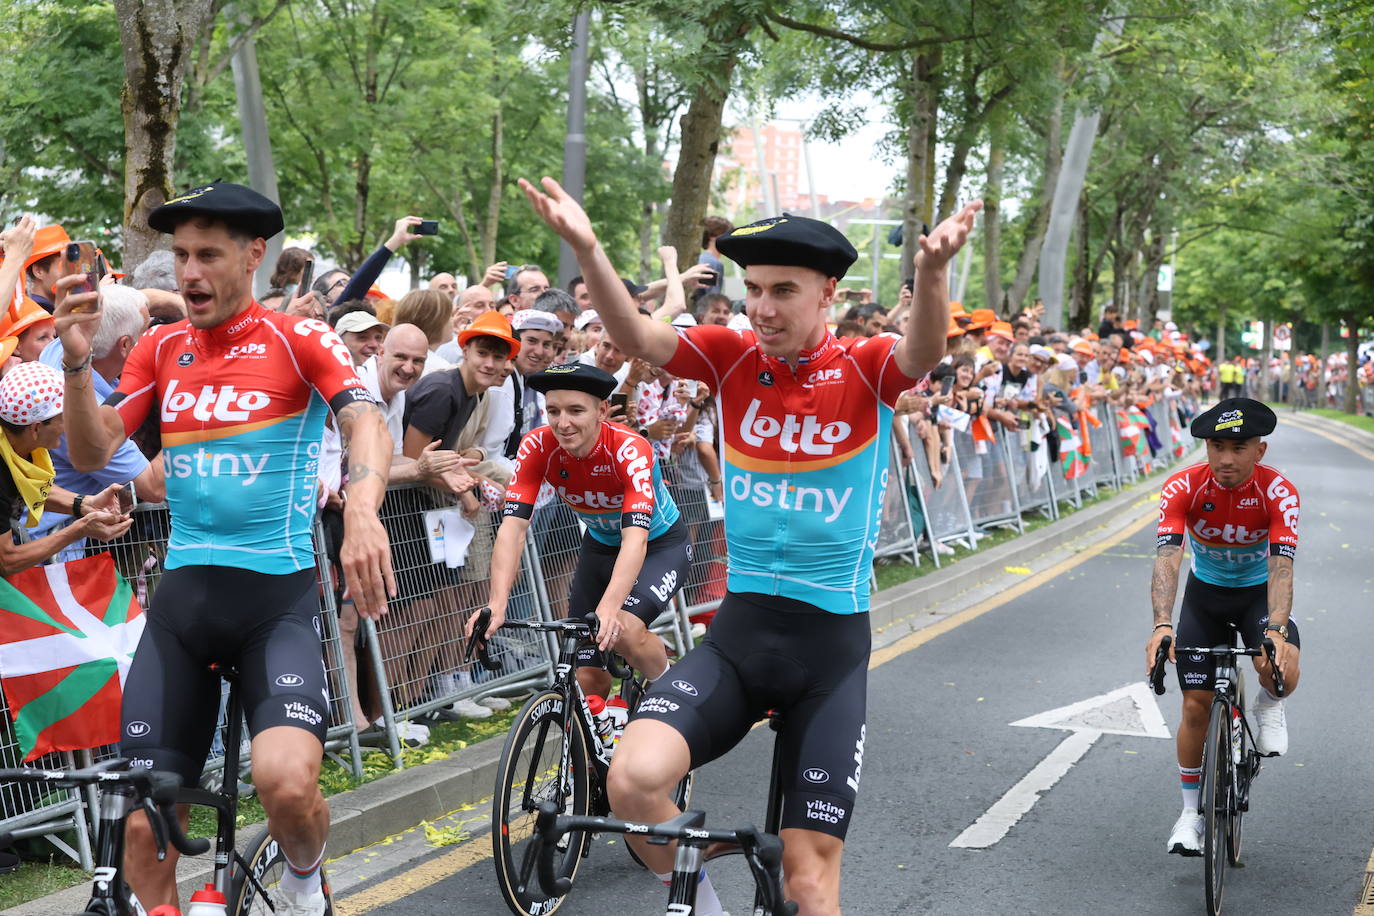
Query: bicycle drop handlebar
[[1162, 654], [154, 792], [578, 627], [763, 851]]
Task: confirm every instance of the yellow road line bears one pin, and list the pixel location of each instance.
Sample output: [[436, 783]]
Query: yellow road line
[[923, 636], [1318, 431], [478, 850]]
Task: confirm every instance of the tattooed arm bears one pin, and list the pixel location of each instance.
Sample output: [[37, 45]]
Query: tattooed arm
[[1163, 591], [1280, 590], [366, 551]]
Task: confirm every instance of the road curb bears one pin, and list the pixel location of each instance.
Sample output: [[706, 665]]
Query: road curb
[[1313, 421], [370, 813]]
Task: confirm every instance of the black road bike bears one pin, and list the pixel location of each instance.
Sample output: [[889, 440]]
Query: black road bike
[[552, 753], [245, 878], [1230, 761]]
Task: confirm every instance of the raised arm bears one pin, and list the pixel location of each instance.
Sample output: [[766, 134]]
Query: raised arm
[[94, 431], [924, 343], [636, 334]]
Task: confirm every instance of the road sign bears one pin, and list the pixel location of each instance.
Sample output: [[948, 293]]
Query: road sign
[[1129, 710]]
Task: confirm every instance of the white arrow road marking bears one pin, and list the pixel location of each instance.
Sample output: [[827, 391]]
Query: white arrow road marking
[[1129, 710]]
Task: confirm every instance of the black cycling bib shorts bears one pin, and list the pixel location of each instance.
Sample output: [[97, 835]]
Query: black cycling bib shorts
[[765, 652], [265, 626], [667, 563], [1211, 616]]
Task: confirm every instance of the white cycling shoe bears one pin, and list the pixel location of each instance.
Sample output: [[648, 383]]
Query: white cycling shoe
[[1271, 738], [1186, 840], [312, 904]]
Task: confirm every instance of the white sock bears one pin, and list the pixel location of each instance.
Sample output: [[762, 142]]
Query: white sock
[[298, 881], [648, 681], [1191, 779], [708, 904], [1267, 698]]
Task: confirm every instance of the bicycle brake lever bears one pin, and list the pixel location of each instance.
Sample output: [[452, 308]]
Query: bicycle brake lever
[[159, 828], [477, 644], [1156, 680], [1272, 656]]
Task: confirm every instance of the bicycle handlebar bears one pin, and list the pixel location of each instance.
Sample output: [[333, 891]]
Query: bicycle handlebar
[[477, 645], [579, 627], [763, 851], [154, 792], [1266, 649]]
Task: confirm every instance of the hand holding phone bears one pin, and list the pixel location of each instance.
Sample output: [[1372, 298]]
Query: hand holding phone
[[307, 278], [427, 227], [83, 258]]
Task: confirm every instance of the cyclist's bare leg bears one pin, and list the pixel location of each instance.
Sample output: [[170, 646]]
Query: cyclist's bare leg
[[641, 648], [1291, 672], [594, 680], [651, 759], [1192, 729], [811, 869], [154, 883], [286, 771]]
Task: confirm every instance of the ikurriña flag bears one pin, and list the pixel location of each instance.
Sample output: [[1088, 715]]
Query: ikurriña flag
[[67, 637]]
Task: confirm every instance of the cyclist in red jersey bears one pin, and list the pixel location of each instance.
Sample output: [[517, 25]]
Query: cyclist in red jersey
[[240, 395], [1241, 520], [635, 554], [806, 420]]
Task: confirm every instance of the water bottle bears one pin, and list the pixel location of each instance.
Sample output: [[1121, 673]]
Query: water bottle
[[1235, 734], [208, 902], [600, 719], [620, 714]]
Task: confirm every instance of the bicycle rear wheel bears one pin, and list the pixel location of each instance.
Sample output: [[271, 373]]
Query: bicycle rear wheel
[[531, 771], [252, 883], [1216, 796]]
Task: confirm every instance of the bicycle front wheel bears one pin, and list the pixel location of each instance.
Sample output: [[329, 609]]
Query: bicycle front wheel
[[533, 769], [1216, 802], [253, 883]]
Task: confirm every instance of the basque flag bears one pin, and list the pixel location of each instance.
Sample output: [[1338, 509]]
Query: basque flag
[[67, 637]]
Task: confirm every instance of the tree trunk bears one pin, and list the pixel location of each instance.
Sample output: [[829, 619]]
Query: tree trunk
[[1081, 304], [992, 217], [1035, 228], [925, 104], [491, 224], [1219, 355], [700, 141], [159, 38], [1352, 363], [1326, 346]]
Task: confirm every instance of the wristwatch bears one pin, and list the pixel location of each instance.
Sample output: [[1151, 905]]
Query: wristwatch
[[1281, 629]]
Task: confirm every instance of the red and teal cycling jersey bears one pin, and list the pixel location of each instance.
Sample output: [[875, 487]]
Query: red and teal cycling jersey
[[617, 485], [1233, 532], [806, 459], [241, 411]]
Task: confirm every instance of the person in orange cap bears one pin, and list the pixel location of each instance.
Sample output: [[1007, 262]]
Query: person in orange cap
[[997, 343], [1089, 370], [954, 341], [976, 329], [43, 267], [33, 327]]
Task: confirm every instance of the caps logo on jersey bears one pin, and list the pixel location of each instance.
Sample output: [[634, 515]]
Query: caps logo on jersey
[[766, 379], [806, 435], [186, 359]]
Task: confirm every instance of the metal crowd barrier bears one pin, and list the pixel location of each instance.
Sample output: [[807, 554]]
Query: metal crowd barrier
[[418, 650]]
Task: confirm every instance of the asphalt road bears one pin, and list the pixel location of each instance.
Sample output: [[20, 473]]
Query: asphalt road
[[940, 751]]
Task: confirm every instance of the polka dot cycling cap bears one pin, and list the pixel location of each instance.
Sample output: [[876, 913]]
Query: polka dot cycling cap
[[30, 393]]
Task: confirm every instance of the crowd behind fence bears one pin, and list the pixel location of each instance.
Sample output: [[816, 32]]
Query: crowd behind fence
[[413, 661]]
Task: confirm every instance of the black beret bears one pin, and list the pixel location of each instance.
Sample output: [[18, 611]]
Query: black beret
[[1235, 418], [241, 208], [574, 377], [790, 241]]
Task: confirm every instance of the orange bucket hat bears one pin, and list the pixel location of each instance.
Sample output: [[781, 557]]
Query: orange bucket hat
[[954, 329], [490, 324], [1003, 330], [30, 314], [47, 241], [982, 318]]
